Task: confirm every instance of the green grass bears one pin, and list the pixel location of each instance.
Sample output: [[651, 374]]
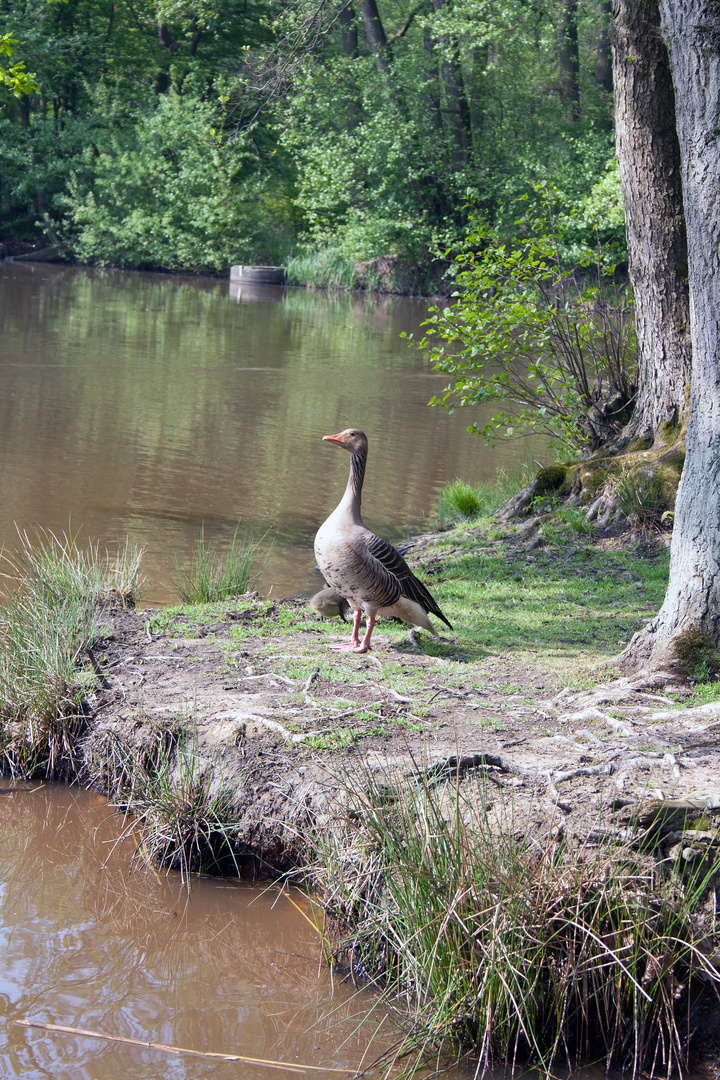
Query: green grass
[[213, 575], [180, 807], [326, 269], [546, 603], [505, 944], [460, 502], [53, 613]]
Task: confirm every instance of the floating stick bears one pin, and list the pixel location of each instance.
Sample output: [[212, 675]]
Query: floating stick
[[288, 1067]]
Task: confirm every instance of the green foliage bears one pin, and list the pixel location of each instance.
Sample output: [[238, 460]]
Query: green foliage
[[215, 576], [191, 135], [170, 193], [14, 76], [557, 352], [598, 216]]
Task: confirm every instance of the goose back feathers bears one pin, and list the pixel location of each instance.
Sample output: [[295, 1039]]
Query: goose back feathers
[[364, 568]]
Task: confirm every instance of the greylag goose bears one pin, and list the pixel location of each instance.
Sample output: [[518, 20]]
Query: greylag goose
[[363, 567], [329, 603]]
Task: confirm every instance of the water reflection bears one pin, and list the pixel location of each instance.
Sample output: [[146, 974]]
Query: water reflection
[[144, 405], [89, 941]]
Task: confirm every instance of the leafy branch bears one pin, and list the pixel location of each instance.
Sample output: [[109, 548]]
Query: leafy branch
[[554, 346]]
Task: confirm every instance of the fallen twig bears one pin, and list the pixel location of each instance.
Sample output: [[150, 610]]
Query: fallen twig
[[284, 1065]]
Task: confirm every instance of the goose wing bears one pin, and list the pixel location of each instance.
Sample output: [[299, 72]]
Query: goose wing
[[395, 564]]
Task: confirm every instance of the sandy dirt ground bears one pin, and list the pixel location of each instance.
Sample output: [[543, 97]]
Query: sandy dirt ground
[[286, 723]]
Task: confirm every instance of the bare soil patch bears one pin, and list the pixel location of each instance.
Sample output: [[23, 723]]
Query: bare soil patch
[[284, 721]]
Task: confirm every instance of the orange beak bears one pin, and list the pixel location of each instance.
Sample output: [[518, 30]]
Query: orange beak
[[337, 439]]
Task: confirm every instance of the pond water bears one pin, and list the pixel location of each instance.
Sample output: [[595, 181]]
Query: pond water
[[151, 406], [90, 939]]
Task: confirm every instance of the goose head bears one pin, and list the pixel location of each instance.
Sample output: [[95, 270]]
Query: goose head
[[351, 439]]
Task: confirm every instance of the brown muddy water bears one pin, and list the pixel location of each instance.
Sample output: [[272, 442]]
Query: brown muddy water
[[148, 406], [90, 939]]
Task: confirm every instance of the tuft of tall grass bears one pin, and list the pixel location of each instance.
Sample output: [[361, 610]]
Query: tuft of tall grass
[[326, 269], [52, 614], [575, 518], [460, 501], [512, 949], [179, 806], [54, 569], [642, 497], [216, 576]]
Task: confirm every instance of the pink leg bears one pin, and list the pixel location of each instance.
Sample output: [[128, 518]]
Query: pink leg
[[364, 645], [353, 644]]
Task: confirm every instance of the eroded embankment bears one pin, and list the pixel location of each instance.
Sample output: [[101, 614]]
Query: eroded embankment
[[584, 820], [589, 842], [279, 723]]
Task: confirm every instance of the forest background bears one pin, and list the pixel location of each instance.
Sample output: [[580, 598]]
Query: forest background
[[192, 135]]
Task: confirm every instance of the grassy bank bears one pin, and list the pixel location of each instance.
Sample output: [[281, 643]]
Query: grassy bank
[[513, 947], [475, 896], [56, 602]]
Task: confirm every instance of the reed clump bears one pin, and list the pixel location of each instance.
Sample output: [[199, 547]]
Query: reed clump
[[512, 949], [176, 802], [325, 269], [214, 575], [52, 613]]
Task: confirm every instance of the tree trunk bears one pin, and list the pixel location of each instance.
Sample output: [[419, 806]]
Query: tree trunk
[[649, 156], [377, 39], [692, 32], [570, 61], [456, 100], [603, 50], [433, 105], [348, 28], [349, 33], [382, 52]]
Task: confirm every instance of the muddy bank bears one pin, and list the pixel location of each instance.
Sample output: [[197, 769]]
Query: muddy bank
[[496, 779], [280, 722]]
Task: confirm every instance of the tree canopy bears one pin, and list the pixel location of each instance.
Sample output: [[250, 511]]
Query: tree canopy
[[189, 134]]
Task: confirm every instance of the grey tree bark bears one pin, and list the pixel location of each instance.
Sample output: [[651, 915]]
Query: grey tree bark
[[691, 29], [570, 60], [649, 157], [457, 104]]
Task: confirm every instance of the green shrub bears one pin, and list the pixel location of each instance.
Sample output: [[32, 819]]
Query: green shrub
[[169, 191], [535, 337]]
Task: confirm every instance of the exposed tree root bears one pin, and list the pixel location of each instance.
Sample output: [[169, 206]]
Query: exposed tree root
[[638, 485]]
